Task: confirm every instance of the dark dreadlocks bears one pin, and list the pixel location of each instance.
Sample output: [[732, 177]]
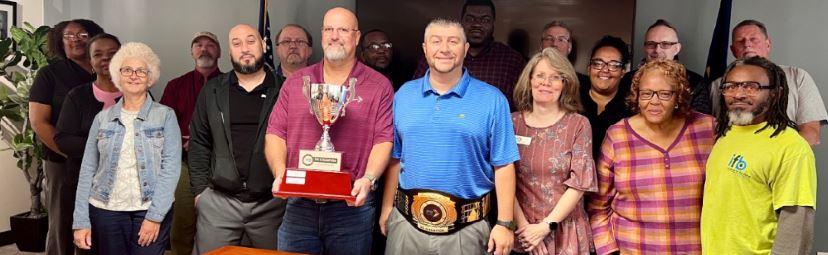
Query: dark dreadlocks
[[777, 117]]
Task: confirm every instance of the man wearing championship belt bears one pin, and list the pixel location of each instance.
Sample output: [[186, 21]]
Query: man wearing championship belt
[[453, 143], [363, 137]]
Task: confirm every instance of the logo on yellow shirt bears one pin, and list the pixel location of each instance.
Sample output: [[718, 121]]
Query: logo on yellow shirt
[[737, 163]]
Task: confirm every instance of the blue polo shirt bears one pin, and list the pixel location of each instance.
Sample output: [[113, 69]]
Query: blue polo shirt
[[452, 142]]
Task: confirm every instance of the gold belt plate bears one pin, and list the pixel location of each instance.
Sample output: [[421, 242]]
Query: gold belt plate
[[433, 212]]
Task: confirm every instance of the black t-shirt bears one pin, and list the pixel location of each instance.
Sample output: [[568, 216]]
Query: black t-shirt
[[52, 84], [245, 116], [615, 111]]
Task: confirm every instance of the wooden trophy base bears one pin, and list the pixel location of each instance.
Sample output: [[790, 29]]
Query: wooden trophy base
[[316, 185]]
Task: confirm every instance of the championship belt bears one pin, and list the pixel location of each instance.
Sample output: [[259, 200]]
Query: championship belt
[[439, 213]]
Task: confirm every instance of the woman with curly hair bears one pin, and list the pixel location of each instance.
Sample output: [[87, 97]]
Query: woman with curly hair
[[130, 164], [651, 169]]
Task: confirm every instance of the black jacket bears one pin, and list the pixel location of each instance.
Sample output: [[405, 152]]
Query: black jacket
[[210, 155], [72, 129]]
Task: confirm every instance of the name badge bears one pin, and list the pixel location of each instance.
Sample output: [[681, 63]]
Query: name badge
[[523, 140]]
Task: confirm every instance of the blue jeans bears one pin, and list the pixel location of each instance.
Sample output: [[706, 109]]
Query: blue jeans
[[329, 228], [116, 232]]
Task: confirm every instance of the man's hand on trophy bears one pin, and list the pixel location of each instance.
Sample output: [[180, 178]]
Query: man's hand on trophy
[[276, 183], [361, 190]]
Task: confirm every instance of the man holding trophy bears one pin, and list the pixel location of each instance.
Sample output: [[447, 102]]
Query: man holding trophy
[[328, 139], [454, 135]]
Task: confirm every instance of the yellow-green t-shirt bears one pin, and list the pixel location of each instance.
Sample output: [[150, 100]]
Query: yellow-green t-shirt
[[750, 176]]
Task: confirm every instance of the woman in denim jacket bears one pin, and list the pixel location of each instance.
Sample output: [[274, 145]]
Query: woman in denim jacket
[[130, 166]]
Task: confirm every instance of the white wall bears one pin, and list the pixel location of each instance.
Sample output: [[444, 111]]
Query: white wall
[[797, 31], [14, 190], [168, 26]]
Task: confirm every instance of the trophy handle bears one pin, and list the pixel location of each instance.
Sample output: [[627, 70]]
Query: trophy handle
[[306, 90], [351, 94]]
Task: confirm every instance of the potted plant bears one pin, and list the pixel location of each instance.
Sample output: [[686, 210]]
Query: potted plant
[[21, 60]]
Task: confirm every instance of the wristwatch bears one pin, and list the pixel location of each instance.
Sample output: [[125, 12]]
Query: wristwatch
[[510, 225], [372, 179], [552, 226]]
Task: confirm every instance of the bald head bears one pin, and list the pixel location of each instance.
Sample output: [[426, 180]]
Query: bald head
[[246, 49], [243, 30], [342, 17], [340, 35]]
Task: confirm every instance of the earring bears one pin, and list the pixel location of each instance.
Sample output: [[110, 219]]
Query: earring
[[676, 107]]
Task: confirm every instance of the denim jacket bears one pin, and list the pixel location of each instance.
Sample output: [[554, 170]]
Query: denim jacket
[[157, 152]]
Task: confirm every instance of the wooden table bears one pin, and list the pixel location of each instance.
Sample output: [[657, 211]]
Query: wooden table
[[238, 250]]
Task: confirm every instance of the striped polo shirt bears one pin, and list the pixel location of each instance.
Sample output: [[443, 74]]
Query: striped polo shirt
[[452, 142]]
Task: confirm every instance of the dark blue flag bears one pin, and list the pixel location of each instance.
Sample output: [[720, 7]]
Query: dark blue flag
[[264, 31], [717, 56]]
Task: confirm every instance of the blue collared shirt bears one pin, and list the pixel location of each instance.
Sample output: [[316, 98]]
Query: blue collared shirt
[[452, 142]]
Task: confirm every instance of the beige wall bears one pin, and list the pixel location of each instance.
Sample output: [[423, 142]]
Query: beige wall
[[14, 190], [168, 26]]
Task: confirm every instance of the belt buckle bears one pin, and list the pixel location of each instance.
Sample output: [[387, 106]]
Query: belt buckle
[[433, 212], [319, 200]]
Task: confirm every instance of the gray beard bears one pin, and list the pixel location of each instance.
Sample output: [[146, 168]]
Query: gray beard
[[205, 62], [744, 118], [740, 118], [334, 54]]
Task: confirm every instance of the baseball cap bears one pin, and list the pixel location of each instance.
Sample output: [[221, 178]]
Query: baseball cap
[[209, 35]]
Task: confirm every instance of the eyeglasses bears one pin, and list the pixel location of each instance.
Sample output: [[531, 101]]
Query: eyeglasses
[[541, 78], [339, 30], [663, 95], [378, 46], [292, 43], [485, 20], [78, 36], [613, 65], [127, 71], [559, 39], [663, 45], [750, 87]]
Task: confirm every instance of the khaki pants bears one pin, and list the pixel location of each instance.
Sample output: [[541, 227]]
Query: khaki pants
[[403, 238]]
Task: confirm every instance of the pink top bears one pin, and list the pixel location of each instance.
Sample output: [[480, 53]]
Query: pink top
[[105, 97], [558, 157], [367, 119], [649, 198]]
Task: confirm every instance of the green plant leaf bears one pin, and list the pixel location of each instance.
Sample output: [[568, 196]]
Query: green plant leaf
[[10, 114], [18, 34]]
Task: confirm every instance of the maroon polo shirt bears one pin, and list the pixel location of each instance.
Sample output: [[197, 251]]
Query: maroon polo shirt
[[181, 94], [367, 119], [497, 65]]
